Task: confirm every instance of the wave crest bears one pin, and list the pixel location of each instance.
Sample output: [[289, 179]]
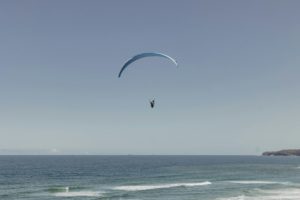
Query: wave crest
[[281, 194], [65, 192], [79, 194], [162, 186], [258, 182]]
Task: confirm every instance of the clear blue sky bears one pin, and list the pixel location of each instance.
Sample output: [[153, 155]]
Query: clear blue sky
[[237, 90]]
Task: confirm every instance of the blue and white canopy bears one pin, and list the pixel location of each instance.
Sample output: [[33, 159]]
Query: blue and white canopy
[[144, 55]]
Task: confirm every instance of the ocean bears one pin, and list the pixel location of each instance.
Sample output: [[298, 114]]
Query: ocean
[[149, 177]]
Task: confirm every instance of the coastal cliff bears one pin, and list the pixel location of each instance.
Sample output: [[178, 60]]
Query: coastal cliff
[[286, 152]]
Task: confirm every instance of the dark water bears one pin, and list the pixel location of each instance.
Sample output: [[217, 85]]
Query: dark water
[[150, 177]]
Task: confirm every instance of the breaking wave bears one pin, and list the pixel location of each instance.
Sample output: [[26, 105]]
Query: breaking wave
[[281, 194], [258, 182], [161, 186], [65, 192], [79, 194]]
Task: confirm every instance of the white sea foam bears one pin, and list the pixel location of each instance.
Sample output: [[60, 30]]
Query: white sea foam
[[241, 197], [258, 182], [279, 194], [161, 186], [79, 194]]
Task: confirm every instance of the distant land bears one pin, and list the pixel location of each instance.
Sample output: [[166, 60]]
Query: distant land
[[285, 152]]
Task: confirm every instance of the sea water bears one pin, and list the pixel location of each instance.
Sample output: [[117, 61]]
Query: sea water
[[149, 177]]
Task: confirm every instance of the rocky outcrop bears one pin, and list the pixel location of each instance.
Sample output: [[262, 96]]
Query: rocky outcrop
[[286, 152]]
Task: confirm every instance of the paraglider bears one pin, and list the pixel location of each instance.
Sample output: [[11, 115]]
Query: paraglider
[[152, 103], [144, 55]]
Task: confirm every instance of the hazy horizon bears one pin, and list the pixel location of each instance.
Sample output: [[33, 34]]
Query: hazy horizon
[[46, 152], [236, 90]]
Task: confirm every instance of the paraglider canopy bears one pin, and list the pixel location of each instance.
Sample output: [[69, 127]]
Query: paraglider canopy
[[144, 55]]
